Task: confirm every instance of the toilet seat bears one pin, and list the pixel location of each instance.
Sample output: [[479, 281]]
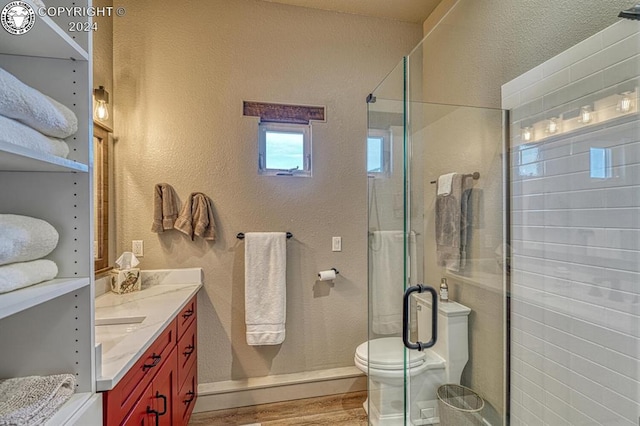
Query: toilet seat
[[385, 357]]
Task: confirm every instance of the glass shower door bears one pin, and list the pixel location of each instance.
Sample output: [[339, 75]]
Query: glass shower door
[[410, 144]]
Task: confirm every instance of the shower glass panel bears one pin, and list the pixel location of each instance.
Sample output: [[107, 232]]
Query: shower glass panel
[[411, 143]]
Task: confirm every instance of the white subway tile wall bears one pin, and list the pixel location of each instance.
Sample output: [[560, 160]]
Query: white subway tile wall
[[575, 229]]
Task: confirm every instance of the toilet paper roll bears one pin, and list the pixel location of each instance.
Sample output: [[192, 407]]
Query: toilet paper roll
[[327, 275]]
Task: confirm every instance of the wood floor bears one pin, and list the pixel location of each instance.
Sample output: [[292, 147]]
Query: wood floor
[[345, 410]]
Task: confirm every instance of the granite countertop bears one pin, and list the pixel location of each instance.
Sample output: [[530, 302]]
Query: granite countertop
[[164, 293]]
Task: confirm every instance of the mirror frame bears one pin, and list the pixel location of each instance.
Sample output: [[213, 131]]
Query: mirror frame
[[101, 188]]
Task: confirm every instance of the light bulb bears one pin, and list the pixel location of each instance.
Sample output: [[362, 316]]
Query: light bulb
[[553, 125], [101, 112], [527, 134], [624, 104], [585, 114]]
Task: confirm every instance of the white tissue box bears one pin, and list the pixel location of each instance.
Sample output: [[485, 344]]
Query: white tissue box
[[125, 280]]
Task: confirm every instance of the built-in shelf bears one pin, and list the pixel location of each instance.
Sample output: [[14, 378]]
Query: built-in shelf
[[25, 298], [46, 40], [18, 158], [69, 409]]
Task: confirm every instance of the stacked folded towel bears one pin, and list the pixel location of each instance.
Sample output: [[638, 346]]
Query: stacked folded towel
[[32, 119], [24, 241], [35, 399]]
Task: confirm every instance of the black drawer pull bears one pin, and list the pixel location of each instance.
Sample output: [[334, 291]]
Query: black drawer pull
[[187, 313], [189, 350], [164, 399], [156, 360], [191, 395]]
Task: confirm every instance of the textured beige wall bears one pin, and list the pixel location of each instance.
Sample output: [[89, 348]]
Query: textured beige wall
[[481, 44], [181, 74]]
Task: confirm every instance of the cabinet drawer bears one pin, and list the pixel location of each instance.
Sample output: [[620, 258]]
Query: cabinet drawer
[[186, 316], [187, 351], [186, 398], [119, 400]]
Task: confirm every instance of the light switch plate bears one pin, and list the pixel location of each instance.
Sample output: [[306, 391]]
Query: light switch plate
[[137, 248], [336, 244]]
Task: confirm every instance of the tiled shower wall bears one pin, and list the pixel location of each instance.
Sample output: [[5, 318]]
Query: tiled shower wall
[[575, 234]]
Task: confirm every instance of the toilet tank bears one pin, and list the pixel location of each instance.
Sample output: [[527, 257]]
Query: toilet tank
[[453, 333]]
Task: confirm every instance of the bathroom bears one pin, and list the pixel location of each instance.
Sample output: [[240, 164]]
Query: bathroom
[[177, 79]]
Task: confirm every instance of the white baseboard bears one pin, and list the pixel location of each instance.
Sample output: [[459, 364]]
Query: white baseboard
[[277, 388]]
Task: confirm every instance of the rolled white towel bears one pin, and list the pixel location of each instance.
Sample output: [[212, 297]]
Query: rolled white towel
[[35, 399], [24, 274], [35, 109], [24, 238], [14, 132]]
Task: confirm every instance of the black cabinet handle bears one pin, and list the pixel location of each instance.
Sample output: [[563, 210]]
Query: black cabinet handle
[[405, 317], [156, 360], [191, 395], [164, 400], [189, 350], [187, 314], [155, 413]]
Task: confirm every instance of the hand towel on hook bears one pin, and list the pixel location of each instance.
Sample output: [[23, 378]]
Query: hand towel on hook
[[265, 292]]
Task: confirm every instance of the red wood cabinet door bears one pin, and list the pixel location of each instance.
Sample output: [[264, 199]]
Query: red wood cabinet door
[[186, 315], [186, 398], [165, 386], [141, 414]]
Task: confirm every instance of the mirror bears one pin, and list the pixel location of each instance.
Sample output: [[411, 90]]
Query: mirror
[[101, 197]]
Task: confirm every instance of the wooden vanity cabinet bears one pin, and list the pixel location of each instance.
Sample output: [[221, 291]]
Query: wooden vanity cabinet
[[161, 387]]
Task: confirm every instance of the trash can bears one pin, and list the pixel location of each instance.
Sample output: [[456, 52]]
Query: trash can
[[459, 406]]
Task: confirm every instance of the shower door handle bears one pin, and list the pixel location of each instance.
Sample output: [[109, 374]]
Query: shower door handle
[[420, 288]]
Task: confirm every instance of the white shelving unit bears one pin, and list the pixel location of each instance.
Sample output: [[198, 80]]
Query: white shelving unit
[[49, 328]]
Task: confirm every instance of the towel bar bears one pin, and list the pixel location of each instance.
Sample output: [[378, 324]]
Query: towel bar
[[240, 235], [474, 175]]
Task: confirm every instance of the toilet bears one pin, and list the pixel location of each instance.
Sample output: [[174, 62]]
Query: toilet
[[383, 361]]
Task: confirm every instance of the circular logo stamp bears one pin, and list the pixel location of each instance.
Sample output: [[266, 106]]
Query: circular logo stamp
[[17, 17]]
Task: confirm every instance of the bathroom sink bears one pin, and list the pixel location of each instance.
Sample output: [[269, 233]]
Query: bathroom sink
[[119, 320]]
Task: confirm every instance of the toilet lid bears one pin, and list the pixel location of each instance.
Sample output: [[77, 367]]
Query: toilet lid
[[388, 354]]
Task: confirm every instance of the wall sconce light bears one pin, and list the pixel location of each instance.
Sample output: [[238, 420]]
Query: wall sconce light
[[552, 126], [101, 111], [527, 134], [586, 115], [624, 104]]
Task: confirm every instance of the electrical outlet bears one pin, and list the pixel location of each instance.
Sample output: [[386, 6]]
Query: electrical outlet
[[336, 244], [137, 248]]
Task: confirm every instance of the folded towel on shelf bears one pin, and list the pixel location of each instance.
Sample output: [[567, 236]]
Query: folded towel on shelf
[[35, 399], [165, 207], [386, 251], [444, 183], [24, 238], [448, 217], [196, 217], [23, 274], [35, 109], [14, 132], [265, 288]]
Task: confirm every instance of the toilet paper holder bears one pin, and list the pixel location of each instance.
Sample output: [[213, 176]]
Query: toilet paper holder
[[321, 274]]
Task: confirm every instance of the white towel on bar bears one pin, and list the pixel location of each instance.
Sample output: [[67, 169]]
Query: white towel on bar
[[24, 238], [387, 278], [265, 290], [444, 183], [16, 133], [36, 110], [35, 399], [23, 274]]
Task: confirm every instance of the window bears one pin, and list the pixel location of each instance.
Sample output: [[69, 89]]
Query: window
[[284, 149], [600, 163], [378, 153], [529, 161]]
